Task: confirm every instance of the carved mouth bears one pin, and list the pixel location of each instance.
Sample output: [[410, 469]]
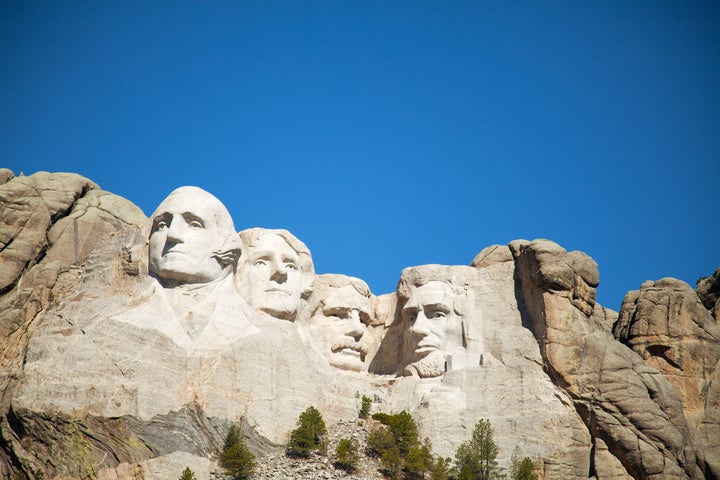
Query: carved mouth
[[349, 347], [277, 290], [175, 252], [349, 351], [426, 349]]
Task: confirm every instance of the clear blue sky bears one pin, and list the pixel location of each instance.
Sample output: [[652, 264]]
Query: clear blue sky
[[388, 134]]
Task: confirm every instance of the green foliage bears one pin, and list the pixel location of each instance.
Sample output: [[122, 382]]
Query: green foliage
[[380, 438], [396, 442], [521, 469], [310, 434], [365, 408], [419, 460], [187, 474], [391, 462], [441, 469], [236, 459], [347, 454], [233, 437], [403, 428], [525, 471], [475, 458]]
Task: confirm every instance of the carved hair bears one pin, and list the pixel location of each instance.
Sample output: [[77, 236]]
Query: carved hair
[[222, 217], [335, 280], [414, 277]]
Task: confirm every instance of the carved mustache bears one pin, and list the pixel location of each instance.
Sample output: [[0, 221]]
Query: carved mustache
[[348, 342]]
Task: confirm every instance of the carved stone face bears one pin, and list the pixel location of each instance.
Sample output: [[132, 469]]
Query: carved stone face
[[339, 326], [271, 279], [184, 235], [432, 326]]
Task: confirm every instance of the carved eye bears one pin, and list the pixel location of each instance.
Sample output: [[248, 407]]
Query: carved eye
[[437, 314], [337, 313], [410, 315], [260, 262], [193, 221], [161, 222], [291, 266]]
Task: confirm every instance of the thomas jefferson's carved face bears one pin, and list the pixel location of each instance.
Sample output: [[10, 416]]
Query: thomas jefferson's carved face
[[432, 326], [271, 278], [184, 236], [339, 326]]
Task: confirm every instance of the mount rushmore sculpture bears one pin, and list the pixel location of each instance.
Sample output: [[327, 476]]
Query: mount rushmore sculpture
[[132, 344]]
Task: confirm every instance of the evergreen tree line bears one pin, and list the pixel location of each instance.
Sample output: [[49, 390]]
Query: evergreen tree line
[[394, 441]]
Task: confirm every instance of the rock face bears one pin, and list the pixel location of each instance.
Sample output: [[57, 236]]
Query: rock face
[[669, 327], [708, 289], [131, 345]]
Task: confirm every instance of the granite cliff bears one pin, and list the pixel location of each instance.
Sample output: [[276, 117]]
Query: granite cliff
[[129, 346]]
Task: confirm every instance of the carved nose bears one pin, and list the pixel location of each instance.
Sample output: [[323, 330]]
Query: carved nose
[[421, 327], [279, 273], [355, 327], [175, 233]]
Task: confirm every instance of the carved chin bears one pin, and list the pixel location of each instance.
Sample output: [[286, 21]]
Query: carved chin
[[279, 305], [281, 312], [432, 365], [347, 361]]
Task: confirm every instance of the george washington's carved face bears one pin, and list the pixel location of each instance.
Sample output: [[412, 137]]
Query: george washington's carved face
[[187, 228]]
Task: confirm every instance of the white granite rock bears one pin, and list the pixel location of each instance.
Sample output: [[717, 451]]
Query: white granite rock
[[130, 345]]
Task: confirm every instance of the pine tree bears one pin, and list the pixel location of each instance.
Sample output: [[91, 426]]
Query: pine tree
[[365, 408], [525, 472], [521, 469], [310, 434], [391, 462], [515, 463], [346, 454], [403, 427], [380, 438], [236, 459], [475, 458], [188, 474], [419, 460], [441, 469]]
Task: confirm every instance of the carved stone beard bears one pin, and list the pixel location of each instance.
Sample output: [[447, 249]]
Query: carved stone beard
[[432, 365]]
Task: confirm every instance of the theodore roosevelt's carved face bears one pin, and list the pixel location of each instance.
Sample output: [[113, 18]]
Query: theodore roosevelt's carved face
[[271, 276], [433, 327], [340, 324], [187, 228]]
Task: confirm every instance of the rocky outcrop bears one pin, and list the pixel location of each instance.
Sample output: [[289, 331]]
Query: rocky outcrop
[[669, 327], [50, 225], [626, 404], [708, 289], [118, 363]]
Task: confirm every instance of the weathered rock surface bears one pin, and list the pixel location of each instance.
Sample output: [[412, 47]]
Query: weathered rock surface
[[112, 369], [624, 402], [708, 289], [669, 327]]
